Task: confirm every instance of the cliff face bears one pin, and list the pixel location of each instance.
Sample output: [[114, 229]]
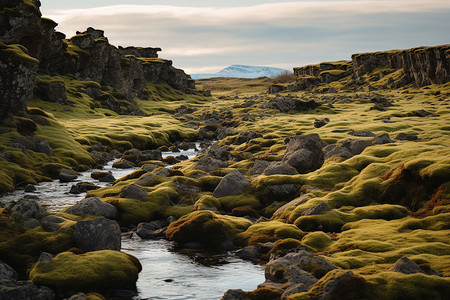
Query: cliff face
[[86, 56], [422, 66]]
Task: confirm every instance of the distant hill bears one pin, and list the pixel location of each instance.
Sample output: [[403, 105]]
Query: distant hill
[[242, 71]]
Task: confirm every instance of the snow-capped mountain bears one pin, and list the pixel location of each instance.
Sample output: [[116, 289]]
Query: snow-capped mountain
[[242, 71]]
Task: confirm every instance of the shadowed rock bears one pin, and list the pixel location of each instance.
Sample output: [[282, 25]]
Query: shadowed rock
[[316, 210], [304, 153], [98, 234], [280, 167], [93, 206], [233, 183], [406, 266], [66, 175], [134, 192]]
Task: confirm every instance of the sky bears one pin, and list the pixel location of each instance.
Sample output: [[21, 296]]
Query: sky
[[204, 36]]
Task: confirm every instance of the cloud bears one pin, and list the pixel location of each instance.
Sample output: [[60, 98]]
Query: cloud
[[272, 33]]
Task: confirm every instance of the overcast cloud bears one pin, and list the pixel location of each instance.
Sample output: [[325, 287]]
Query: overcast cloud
[[282, 34]]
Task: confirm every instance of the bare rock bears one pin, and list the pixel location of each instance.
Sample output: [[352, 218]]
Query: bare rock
[[356, 146], [66, 175], [280, 167], [406, 266], [317, 210], [304, 153], [6, 272], [134, 192], [233, 183], [93, 206], [98, 234], [337, 151]]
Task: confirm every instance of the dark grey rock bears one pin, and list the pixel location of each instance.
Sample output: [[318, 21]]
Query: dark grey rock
[[23, 290], [66, 175], [382, 139], [93, 206], [321, 122], [338, 151], [362, 133], [248, 253], [406, 266], [151, 230], [44, 147], [134, 192], [6, 272], [317, 209], [356, 146], [259, 167], [208, 164], [124, 164], [233, 183], [304, 153], [145, 179], [30, 188], [27, 208], [98, 234], [237, 294], [31, 223], [280, 167], [407, 136], [107, 178]]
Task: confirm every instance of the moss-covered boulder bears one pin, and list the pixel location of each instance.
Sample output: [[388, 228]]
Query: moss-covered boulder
[[98, 270], [269, 232], [206, 228]]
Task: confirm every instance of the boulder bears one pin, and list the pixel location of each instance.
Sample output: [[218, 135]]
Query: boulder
[[93, 206], [233, 183], [44, 147], [382, 139], [356, 146], [304, 153], [407, 136], [321, 122], [124, 164], [237, 294], [93, 271], [98, 234], [30, 188], [83, 187], [279, 167], [336, 151], [51, 223], [208, 164], [66, 175], [134, 192], [27, 208], [151, 230], [6, 272], [259, 167], [12, 289], [54, 91], [245, 137], [362, 133], [406, 266], [317, 210], [248, 253], [107, 178]]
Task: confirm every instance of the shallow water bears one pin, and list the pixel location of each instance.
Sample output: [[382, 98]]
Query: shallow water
[[171, 275], [165, 274]]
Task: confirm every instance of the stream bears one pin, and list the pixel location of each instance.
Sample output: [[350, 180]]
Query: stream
[[166, 274]]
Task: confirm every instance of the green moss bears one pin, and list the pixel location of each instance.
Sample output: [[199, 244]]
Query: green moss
[[85, 272], [270, 232], [392, 285], [330, 221], [207, 228], [385, 211], [207, 202], [318, 241], [229, 202]]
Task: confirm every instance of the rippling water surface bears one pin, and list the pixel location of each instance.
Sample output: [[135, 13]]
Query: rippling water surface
[[165, 274]]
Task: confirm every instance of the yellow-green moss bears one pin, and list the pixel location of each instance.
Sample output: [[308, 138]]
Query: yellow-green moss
[[270, 232], [318, 241], [85, 272]]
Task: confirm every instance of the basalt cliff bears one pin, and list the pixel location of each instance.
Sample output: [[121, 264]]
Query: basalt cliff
[[30, 46]]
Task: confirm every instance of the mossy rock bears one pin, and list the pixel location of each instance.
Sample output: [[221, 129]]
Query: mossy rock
[[331, 221], [207, 228], [384, 211], [270, 231], [97, 270], [20, 247], [318, 241]]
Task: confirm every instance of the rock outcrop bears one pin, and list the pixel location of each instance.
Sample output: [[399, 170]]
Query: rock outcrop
[[88, 56], [423, 65], [17, 79]]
